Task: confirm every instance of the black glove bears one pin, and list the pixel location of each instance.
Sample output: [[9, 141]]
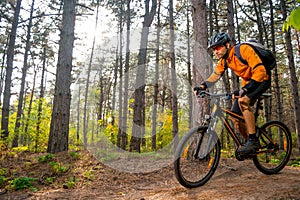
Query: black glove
[[239, 93], [197, 89], [202, 86]]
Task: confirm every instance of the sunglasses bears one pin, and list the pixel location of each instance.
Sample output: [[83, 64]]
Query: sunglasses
[[218, 48]]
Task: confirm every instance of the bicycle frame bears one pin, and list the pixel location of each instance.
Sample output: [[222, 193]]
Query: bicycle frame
[[222, 113]]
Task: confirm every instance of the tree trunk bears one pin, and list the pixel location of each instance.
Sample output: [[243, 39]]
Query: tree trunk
[[9, 70], [101, 100], [190, 92], [231, 32], [59, 128], [156, 86], [2, 72], [201, 59], [115, 85], [126, 80], [24, 73], [41, 97], [277, 88], [78, 113], [293, 78], [29, 112], [238, 40], [87, 86], [120, 74], [258, 22], [138, 120], [235, 78], [173, 78]]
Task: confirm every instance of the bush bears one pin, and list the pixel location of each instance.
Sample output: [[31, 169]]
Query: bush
[[23, 183]]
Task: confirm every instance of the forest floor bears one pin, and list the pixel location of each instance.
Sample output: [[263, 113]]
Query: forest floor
[[81, 176]]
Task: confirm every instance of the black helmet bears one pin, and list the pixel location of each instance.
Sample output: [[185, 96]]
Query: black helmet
[[219, 39]]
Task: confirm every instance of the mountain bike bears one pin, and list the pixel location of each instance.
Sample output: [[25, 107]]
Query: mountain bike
[[198, 152]]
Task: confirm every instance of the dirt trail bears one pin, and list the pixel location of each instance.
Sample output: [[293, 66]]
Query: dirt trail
[[232, 180]]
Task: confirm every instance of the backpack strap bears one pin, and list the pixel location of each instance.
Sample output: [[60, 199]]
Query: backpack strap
[[238, 54], [225, 65]]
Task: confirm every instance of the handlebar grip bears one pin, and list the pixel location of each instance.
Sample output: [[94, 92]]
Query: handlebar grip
[[228, 96], [201, 94]]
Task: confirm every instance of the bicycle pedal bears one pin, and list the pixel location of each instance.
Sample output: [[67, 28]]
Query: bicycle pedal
[[240, 156]]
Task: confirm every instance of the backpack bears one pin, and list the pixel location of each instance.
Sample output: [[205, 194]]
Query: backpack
[[266, 56]]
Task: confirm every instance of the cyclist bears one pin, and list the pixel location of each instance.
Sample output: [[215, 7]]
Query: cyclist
[[255, 81]]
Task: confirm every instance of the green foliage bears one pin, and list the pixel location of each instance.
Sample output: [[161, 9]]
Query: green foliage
[[20, 149], [275, 161], [23, 183], [74, 154], [3, 171], [3, 145], [294, 140], [48, 157], [50, 180], [88, 175], [70, 183], [296, 162], [36, 139], [293, 20], [164, 135], [75, 144], [58, 167], [111, 132], [3, 181]]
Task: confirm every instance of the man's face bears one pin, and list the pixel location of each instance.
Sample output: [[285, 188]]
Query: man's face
[[219, 51]]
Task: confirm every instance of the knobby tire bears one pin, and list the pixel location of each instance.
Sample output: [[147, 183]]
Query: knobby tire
[[271, 159], [194, 171]]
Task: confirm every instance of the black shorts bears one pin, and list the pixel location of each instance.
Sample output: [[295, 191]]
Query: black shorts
[[253, 96]]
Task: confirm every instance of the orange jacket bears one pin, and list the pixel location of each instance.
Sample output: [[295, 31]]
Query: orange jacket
[[255, 69]]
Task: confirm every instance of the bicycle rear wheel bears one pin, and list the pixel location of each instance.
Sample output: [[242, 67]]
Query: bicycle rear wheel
[[196, 157], [276, 148]]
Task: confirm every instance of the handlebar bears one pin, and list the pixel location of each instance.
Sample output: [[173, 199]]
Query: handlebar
[[227, 96], [202, 94]]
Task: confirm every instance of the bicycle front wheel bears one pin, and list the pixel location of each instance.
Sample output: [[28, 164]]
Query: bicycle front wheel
[[276, 148], [196, 157]]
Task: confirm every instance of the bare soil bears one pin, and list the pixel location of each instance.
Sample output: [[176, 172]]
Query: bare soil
[[93, 180]]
